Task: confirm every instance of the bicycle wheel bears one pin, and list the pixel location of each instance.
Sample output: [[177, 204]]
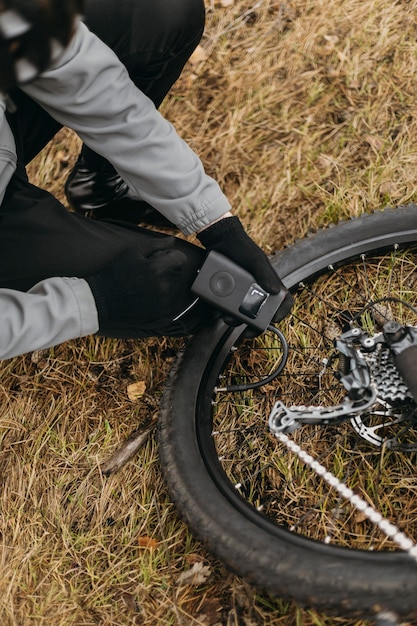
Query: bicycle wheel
[[254, 504]]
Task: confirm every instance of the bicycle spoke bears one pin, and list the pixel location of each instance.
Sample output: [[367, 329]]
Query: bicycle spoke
[[360, 451]]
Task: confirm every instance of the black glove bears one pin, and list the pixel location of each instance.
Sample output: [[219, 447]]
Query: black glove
[[137, 286], [228, 237]]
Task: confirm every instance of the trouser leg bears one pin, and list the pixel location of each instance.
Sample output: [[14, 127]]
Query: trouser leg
[[39, 239], [154, 41]]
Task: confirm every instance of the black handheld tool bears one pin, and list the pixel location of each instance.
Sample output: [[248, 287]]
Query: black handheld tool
[[230, 288]]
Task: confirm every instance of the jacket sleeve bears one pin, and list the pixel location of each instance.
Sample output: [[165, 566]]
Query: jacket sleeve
[[7, 151], [53, 311], [89, 90]]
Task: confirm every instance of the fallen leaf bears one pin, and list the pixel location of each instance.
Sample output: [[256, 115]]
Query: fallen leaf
[[375, 142], [332, 39], [330, 45], [147, 542], [388, 189], [62, 158], [192, 557], [210, 612], [326, 160], [136, 390], [360, 517], [38, 355], [199, 55], [130, 600], [196, 575]]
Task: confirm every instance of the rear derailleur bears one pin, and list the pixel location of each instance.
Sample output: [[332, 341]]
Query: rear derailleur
[[382, 367]]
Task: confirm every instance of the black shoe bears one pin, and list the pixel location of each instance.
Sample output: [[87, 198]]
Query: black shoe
[[100, 193]]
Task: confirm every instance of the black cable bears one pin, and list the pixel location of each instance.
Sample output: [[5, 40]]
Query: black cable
[[275, 372]]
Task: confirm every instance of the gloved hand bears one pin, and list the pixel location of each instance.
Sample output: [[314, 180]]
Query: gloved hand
[[228, 237], [137, 286]]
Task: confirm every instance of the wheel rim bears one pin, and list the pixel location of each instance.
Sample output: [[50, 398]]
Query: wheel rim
[[261, 476]]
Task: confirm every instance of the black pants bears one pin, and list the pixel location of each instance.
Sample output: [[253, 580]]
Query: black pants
[[39, 238]]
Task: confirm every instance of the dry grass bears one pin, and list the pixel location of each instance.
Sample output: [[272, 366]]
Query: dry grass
[[304, 111]]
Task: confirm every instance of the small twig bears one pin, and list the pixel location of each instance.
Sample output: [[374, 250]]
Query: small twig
[[127, 450]]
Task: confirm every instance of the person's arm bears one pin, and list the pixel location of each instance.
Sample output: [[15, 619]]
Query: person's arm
[[53, 311], [7, 150], [89, 90]]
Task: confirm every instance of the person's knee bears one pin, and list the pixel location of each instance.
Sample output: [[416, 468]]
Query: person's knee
[[191, 12], [136, 26], [184, 18]]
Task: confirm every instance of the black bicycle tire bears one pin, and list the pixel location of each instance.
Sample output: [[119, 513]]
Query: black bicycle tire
[[328, 578]]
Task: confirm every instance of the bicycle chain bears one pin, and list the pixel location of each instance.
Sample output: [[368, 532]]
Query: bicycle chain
[[389, 387], [388, 528]]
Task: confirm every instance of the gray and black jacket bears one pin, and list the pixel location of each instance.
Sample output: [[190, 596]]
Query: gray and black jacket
[[88, 90]]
